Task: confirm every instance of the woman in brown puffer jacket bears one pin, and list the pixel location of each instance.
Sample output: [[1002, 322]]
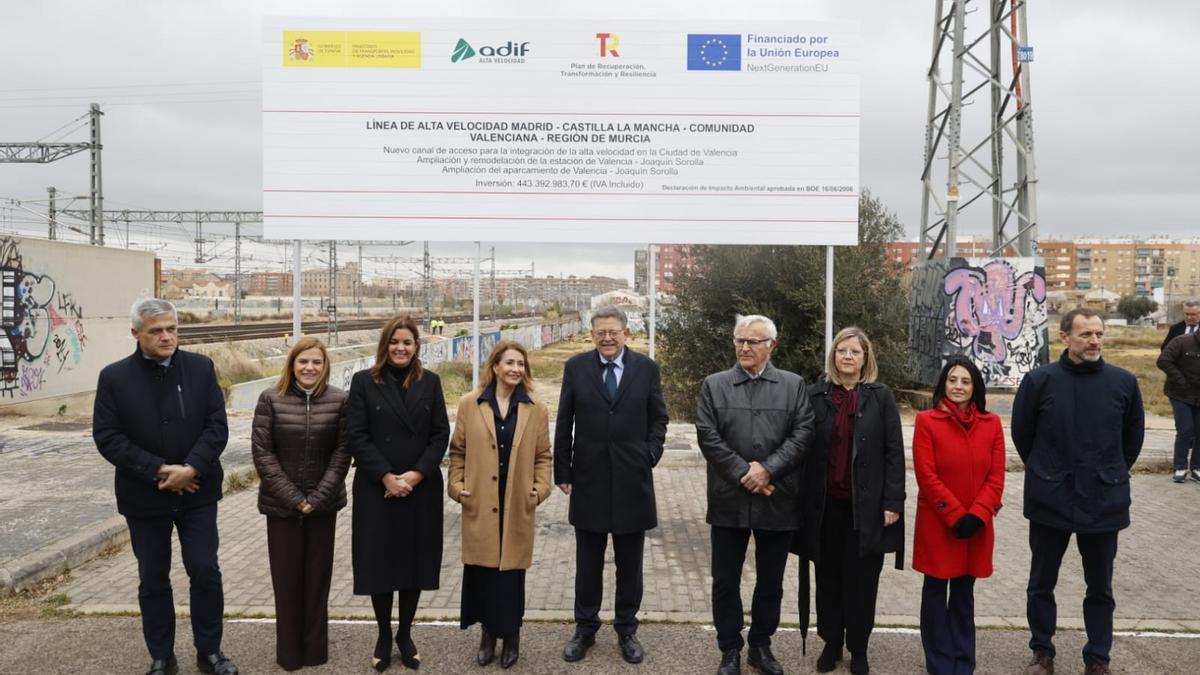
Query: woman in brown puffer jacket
[[302, 463]]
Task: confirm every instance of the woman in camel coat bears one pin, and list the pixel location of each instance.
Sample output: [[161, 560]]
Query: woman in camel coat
[[500, 466]]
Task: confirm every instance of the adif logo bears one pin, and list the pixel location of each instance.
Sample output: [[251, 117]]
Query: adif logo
[[462, 50], [609, 42], [509, 52]]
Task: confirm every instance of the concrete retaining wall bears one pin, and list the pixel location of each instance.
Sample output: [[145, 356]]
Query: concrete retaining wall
[[64, 313]]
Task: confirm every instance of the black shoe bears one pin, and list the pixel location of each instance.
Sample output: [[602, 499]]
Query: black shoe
[[510, 652], [216, 664], [487, 647], [829, 658], [381, 658], [168, 666], [631, 649], [761, 659], [731, 662], [859, 664], [409, 655], [577, 647]]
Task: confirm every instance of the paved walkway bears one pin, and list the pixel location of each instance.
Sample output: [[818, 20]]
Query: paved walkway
[[1155, 565], [113, 645], [55, 485]]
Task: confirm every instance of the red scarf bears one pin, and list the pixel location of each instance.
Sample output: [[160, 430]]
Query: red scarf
[[965, 417]]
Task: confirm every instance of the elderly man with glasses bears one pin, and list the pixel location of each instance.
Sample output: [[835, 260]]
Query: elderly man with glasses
[[754, 423]]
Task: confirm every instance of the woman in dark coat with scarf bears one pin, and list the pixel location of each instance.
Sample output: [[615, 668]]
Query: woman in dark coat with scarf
[[296, 443], [853, 499], [958, 455], [397, 430]]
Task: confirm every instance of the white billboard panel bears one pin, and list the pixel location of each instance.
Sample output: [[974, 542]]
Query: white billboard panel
[[561, 131]]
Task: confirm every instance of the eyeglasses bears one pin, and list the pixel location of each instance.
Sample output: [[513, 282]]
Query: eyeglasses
[[844, 351], [753, 342], [606, 333]]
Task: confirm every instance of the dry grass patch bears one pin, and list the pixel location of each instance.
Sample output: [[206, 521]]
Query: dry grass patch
[[43, 600], [1135, 348], [234, 366]]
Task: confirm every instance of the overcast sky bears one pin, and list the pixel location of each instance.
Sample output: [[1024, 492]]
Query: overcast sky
[[1113, 89]]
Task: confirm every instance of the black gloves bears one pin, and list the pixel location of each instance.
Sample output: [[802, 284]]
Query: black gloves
[[967, 526]]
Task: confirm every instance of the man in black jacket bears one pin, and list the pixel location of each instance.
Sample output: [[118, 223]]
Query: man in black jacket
[[1078, 425], [160, 419], [1180, 360], [754, 423], [609, 434], [1190, 323]]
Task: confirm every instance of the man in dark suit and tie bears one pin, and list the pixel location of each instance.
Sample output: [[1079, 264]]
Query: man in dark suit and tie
[[1190, 323], [612, 422]]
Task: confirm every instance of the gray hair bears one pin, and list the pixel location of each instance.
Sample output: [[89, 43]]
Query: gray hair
[[744, 321], [146, 308], [610, 312], [1193, 302]]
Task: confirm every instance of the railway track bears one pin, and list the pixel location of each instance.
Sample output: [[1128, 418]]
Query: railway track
[[257, 330]]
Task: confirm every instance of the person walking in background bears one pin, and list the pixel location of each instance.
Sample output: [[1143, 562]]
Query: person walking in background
[[609, 434], [159, 418], [396, 430], [853, 498], [1078, 425], [1180, 360], [754, 425], [958, 456], [298, 451], [499, 471]]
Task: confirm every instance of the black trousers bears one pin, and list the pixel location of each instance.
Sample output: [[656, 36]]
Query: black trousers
[[847, 584], [198, 541], [1098, 550], [770, 560], [948, 625], [301, 555], [589, 579]]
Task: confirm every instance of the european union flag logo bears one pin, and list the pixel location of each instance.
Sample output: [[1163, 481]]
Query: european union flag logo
[[714, 52]]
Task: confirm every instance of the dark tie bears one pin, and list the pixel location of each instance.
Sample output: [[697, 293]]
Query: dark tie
[[610, 380]]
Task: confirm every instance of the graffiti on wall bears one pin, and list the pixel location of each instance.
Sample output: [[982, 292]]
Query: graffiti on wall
[[43, 328], [993, 310]]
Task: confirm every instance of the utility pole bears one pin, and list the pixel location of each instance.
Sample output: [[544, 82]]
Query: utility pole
[[237, 273], [52, 213], [97, 189], [358, 292], [977, 70], [428, 277], [333, 291], [493, 279], [199, 241]]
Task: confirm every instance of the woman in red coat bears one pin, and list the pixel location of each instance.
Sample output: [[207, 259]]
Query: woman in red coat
[[958, 455]]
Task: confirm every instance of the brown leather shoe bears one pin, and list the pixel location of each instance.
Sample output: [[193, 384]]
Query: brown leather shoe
[[1042, 663], [1097, 668]]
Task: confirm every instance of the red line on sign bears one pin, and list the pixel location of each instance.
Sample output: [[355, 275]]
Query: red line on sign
[[636, 220], [584, 194], [573, 114]]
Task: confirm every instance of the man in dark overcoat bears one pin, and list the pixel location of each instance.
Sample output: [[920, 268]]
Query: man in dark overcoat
[[1190, 323], [611, 425], [1078, 425], [754, 423], [159, 417]]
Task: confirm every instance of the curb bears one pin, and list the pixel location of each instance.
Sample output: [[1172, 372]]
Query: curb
[[62, 555], [71, 551]]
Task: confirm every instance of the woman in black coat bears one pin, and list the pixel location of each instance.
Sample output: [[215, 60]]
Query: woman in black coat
[[397, 430], [853, 502]]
